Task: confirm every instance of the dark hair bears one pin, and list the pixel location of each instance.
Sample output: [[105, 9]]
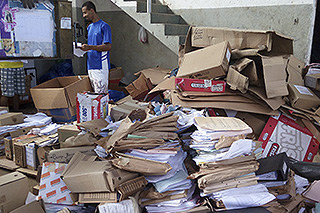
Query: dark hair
[[90, 5]]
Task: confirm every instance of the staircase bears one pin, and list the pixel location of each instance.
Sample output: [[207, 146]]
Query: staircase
[[166, 26]]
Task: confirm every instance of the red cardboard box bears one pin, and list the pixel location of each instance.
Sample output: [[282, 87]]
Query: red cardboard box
[[200, 85], [283, 134]]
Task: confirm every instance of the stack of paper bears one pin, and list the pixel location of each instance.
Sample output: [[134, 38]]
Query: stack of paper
[[171, 190]]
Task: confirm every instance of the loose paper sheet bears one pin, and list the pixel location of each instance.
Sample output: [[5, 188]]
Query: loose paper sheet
[[221, 123]]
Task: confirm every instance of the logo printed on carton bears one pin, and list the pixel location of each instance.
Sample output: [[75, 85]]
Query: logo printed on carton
[[61, 199], [273, 150], [59, 169], [63, 189], [42, 187], [55, 182], [51, 194], [217, 88], [45, 175]]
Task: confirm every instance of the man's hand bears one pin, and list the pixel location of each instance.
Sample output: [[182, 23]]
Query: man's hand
[[29, 3], [85, 47]]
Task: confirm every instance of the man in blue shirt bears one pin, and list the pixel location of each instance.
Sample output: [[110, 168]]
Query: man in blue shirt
[[98, 47]]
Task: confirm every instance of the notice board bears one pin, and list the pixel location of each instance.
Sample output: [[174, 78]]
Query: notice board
[[27, 33]]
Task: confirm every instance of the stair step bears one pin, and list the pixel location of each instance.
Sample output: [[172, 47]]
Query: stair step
[[156, 8], [176, 29], [166, 18], [182, 39]]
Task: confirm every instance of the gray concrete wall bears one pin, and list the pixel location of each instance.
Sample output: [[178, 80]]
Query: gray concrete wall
[[127, 51], [295, 21]]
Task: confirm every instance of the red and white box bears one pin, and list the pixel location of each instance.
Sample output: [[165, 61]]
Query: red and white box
[[52, 188], [91, 106], [283, 134], [200, 85]]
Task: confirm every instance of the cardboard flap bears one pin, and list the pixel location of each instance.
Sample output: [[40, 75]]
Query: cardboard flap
[[57, 98], [94, 126], [274, 76], [273, 103], [156, 75], [247, 67], [116, 74], [98, 197], [313, 191], [295, 69], [237, 81], [80, 86]]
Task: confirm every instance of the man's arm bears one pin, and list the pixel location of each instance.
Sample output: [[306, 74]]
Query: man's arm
[[101, 48]]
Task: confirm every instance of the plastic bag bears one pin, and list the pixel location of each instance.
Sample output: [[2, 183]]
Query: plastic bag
[[143, 36], [308, 170]]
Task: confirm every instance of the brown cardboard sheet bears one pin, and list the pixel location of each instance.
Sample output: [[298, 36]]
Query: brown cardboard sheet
[[140, 165], [156, 74], [237, 81], [242, 39], [274, 76], [294, 69], [237, 106], [206, 63]]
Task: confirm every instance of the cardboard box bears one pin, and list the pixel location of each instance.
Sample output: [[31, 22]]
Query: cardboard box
[[269, 41], [67, 131], [199, 85], [64, 155], [59, 93], [85, 175], [302, 97], [34, 207], [283, 134], [91, 106], [237, 81], [312, 81], [61, 115], [140, 87], [14, 189], [207, 63], [115, 76], [11, 118], [19, 149], [52, 188]]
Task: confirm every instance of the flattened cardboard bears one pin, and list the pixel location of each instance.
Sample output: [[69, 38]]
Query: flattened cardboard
[[274, 76], [237, 106], [167, 84], [59, 92], [93, 126], [64, 155], [302, 97], [237, 81], [8, 148], [84, 175], [13, 191], [206, 63], [256, 121], [115, 76], [131, 187], [156, 75], [242, 39], [313, 191], [312, 81], [140, 165], [273, 103], [294, 70], [282, 134], [11, 118]]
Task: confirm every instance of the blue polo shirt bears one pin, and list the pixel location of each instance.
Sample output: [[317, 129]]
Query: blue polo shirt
[[98, 33]]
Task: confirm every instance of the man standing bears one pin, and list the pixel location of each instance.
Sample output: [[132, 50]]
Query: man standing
[[98, 47]]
